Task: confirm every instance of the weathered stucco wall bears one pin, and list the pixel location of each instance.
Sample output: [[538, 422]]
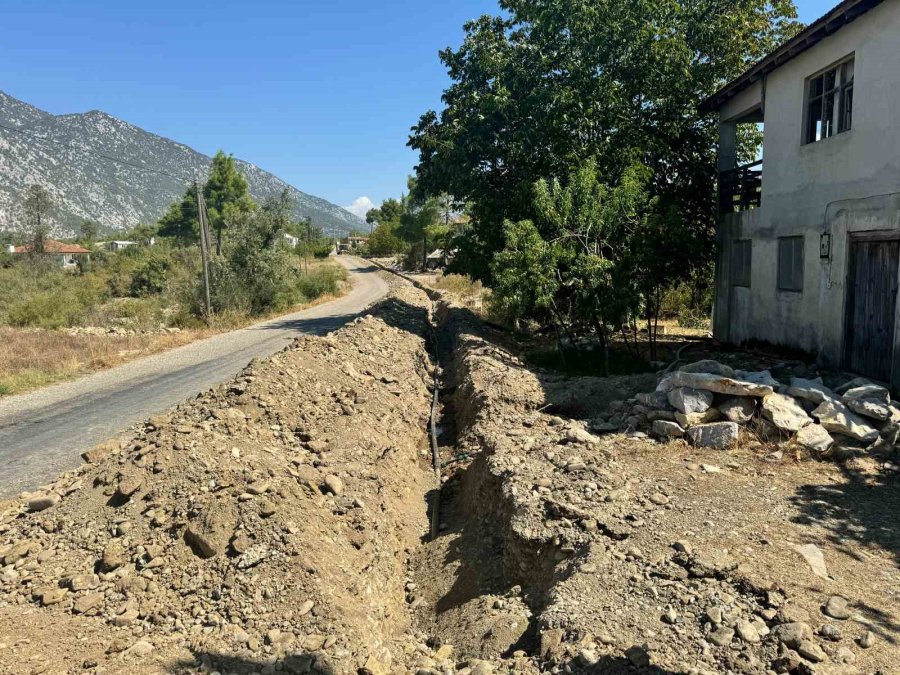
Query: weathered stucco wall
[[815, 188]]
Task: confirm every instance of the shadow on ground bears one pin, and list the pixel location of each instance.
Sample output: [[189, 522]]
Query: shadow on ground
[[319, 664], [861, 512]]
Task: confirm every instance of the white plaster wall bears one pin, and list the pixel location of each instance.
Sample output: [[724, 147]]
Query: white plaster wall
[[800, 181]]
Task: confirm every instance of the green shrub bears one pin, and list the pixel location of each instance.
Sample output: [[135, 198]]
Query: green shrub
[[47, 309], [150, 278], [320, 281]]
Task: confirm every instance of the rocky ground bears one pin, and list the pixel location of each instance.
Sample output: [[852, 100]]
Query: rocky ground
[[280, 523], [619, 553]]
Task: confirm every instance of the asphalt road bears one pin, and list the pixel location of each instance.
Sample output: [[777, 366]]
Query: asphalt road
[[44, 432]]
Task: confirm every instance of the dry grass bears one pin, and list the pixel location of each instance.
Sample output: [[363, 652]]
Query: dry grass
[[33, 358]]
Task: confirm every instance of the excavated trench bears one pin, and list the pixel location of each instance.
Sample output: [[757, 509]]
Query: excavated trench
[[477, 587]]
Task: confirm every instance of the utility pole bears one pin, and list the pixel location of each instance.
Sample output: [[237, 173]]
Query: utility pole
[[204, 247]]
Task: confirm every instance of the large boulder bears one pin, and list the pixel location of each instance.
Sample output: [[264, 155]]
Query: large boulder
[[757, 377], [693, 419], [870, 400], [656, 400], [784, 412], [666, 430], [869, 407], [815, 437], [708, 366], [738, 409], [837, 418], [810, 390], [689, 400], [719, 435], [868, 391], [719, 384], [851, 384]]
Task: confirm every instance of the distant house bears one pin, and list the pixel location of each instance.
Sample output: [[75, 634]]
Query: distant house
[[357, 242], [114, 246], [809, 237], [435, 259], [290, 240], [63, 255]]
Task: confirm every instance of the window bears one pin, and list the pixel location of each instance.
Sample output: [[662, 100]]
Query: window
[[741, 259], [790, 264], [829, 102]]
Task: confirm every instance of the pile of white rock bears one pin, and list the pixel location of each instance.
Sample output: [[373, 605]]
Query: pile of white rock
[[707, 402]]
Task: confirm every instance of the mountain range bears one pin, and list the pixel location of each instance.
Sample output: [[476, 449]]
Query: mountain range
[[70, 156]]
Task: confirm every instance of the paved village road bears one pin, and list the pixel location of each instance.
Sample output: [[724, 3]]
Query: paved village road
[[44, 432]]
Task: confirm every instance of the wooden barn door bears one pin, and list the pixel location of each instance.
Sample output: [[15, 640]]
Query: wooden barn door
[[871, 303]]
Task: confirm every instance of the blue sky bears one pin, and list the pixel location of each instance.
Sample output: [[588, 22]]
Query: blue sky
[[320, 92]]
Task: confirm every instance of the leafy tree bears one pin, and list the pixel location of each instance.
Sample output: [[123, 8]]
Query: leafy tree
[[37, 205], [150, 278], [143, 234], [180, 221], [524, 281], [226, 194], [554, 81], [389, 212], [280, 209], [594, 258], [88, 231], [384, 240]]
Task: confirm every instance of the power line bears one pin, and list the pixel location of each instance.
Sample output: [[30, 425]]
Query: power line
[[110, 158]]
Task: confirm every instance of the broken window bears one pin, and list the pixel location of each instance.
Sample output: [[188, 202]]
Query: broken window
[[829, 102], [790, 264], [741, 259]]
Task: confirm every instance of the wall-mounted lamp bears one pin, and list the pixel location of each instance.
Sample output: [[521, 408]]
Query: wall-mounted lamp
[[825, 245]]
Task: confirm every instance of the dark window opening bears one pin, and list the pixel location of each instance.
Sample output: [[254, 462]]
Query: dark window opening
[[829, 102]]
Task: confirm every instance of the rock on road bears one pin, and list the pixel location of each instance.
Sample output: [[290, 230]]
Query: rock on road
[[44, 432]]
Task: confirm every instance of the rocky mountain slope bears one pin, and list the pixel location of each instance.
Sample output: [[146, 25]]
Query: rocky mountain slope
[[119, 196]]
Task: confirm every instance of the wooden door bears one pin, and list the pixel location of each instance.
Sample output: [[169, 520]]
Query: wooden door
[[871, 304]]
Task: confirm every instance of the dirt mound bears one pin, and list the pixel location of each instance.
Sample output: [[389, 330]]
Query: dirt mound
[[263, 525]]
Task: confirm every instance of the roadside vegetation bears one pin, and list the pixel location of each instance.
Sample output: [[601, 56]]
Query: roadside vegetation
[[58, 322], [571, 140]]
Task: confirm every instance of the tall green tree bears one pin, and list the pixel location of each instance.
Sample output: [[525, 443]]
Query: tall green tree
[[88, 230], [37, 205], [227, 195], [554, 81], [180, 221], [389, 212]]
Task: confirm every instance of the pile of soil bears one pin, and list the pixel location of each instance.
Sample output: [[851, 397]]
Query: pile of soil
[[263, 527]]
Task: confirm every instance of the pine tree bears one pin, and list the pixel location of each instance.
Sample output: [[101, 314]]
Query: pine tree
[[226, 194]]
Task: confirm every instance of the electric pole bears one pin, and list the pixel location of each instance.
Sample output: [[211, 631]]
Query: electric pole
[[204, 247]]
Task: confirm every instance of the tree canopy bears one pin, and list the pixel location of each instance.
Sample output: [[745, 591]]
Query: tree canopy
[[226, 193], [553, 82]]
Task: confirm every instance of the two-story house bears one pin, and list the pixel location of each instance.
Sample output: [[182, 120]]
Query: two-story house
[[809, 237]]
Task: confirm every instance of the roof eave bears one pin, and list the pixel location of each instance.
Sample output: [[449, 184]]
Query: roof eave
[[817, 31]]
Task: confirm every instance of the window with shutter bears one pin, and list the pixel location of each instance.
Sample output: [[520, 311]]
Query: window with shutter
[[741, 261], [790, 264]]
